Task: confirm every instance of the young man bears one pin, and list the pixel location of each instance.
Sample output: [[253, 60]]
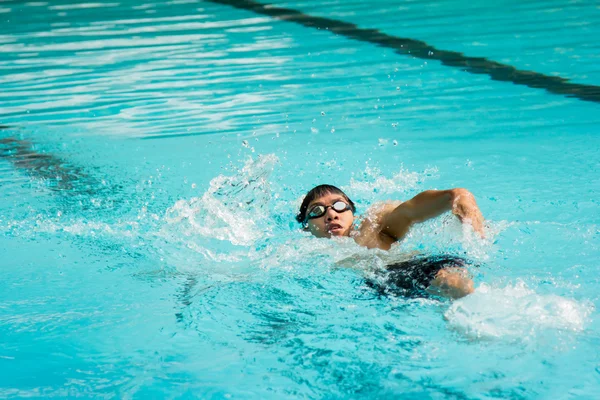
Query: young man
[[327, 211]]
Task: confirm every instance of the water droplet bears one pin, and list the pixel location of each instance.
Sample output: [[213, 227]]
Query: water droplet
[[245, 144]]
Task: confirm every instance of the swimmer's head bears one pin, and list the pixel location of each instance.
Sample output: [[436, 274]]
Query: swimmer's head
[[326, 211]]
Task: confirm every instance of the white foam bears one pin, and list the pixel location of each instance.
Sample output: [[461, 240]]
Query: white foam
[[515, 313], [447, 232], [233, 209], [210, 218]]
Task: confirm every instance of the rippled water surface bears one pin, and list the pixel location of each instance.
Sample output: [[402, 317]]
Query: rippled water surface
[[153, 156]]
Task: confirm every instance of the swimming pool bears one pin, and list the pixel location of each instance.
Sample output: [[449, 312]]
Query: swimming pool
[[153, 156]]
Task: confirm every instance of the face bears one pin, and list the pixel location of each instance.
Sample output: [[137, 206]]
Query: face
[[332, 223]]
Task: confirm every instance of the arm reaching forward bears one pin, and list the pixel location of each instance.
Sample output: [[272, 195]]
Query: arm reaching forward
[[430, 204]]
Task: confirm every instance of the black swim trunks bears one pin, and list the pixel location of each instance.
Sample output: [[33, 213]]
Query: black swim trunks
[[411, 278]]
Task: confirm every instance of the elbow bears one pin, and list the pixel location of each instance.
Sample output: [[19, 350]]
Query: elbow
[[457, 193], [460, 196]]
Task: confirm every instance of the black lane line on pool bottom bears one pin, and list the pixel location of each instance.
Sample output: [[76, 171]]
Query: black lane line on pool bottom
[[419, 49], [58, 175]]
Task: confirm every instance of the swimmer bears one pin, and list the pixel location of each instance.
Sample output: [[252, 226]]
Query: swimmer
[[327, 211]]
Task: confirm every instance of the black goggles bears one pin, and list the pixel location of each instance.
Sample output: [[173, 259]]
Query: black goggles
[[318, 211]]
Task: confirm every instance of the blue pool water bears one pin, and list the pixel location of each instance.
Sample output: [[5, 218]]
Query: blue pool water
[[153, 156]]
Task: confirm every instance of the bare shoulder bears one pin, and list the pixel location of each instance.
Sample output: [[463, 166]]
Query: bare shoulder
[[378, 211], [369, 231]]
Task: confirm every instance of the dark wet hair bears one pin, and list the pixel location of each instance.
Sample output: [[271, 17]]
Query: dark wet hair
[[320, 191]]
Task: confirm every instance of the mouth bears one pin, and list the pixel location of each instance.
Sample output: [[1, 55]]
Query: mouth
[[335, 229]]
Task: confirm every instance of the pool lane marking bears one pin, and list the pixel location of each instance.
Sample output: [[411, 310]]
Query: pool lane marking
[[60, 177], [419, 49]]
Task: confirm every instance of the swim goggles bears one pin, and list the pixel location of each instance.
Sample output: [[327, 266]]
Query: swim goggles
[[318, 211]]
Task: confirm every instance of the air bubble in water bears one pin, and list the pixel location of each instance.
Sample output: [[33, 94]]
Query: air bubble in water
[[245, 144], [322, 113], [332, 130], [395, 143], [314, 130]]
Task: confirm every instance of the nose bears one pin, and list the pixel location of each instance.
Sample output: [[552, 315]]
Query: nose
[[330, 214]]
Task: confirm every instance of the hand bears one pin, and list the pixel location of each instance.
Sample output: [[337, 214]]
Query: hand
[[453, 283]]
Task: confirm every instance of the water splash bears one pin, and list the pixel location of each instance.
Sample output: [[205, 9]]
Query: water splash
[[515, 313], [297, 253], [446, 234], [234, 209]]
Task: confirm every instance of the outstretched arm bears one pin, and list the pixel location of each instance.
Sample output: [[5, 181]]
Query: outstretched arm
[[430, 204]]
